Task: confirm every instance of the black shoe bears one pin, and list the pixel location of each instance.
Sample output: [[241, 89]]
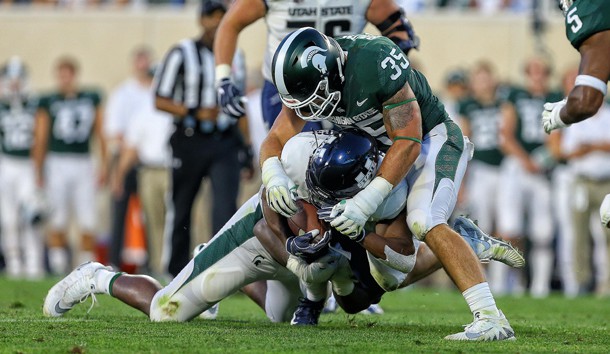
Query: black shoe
[[307, 313]]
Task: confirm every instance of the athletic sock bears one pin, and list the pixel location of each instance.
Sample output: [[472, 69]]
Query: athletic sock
[[103, 280], [480, 300]]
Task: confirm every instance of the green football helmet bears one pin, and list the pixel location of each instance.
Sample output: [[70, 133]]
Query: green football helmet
[[307, 71]]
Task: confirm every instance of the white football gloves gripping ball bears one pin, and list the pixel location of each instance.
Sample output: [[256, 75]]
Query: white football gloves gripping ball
[[318, 271], [350, 215], [279, 187], [604, 211], [550, 116]]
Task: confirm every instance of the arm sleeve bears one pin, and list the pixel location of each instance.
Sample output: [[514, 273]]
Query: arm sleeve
[[167, 74]]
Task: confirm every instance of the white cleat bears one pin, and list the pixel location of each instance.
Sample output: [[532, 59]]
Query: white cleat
[[374, 309], [71, 290], [331, 305], [486, 328], [487, 247]]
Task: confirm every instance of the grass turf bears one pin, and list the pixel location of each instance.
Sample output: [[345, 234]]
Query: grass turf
[[415, 321]]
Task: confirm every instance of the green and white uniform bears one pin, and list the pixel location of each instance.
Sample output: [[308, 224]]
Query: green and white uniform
[[376, 69], [70, 178], [484, 170], [234, 257], [21, 242], [525, 193], [585, 18]]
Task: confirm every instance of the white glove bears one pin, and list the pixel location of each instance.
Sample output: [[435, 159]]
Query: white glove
[[550, 115], [315, 272], [604, 211], [279, 187], [350, 215]]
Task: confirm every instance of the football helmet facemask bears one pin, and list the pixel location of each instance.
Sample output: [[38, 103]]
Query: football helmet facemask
[[341, 166], [307, 71]]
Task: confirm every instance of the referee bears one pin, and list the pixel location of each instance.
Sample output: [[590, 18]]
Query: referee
[[205, 143]]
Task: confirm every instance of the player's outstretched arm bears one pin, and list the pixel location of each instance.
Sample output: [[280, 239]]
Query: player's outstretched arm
[[277, 184], [240, 15], [586, 98]]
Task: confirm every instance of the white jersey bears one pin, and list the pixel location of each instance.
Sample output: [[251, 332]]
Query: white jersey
[[295, 160], [331, 17]]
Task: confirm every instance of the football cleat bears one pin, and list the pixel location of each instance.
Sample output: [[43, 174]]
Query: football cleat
[[307, 313], [487, 247], [486, 328], [374, 309], [72, 290], [211, 313]]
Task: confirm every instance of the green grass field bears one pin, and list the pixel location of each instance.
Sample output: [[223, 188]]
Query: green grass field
[[415, 321]]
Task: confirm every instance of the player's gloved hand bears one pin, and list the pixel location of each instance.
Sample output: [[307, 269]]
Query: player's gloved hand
[[304, 246], [231, 98], [604, 211], [315, 272], [550, 115], [350, 215], [412, 42], [279, 187]]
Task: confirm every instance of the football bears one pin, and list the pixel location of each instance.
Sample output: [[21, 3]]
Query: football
[[306, 219]]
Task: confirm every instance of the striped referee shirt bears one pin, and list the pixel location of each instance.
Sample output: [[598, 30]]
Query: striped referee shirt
[[186, 75]]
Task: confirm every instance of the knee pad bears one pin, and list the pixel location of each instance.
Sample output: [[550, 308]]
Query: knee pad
[[417, 220], [218, 283]]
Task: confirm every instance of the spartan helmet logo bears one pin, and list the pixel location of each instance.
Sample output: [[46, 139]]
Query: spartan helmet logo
[[314, 55]]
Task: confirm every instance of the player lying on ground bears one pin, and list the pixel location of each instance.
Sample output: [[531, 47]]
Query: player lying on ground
[[366, 82], [588, 30], [232, 259], [340, 166]]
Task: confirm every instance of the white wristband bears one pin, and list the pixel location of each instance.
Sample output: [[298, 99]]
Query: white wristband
[[591, 81], [222, 71], [371, 197]]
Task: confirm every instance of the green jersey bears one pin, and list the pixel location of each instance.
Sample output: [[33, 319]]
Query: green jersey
[[484, 122], [586, 18], [17, 126], [376, 69], [529, 121], [72, 120]]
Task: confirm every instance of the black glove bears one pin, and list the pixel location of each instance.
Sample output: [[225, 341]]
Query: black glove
[[230, 98], [303, 246]]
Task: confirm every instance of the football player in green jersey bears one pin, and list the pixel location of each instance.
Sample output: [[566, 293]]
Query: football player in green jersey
[[65, 123], [588, 30], [20, 201], [366, 82], [526, 190]]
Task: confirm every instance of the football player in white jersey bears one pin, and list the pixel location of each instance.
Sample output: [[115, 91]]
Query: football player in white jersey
[[20, 202], [332, 17], [232, 259]]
